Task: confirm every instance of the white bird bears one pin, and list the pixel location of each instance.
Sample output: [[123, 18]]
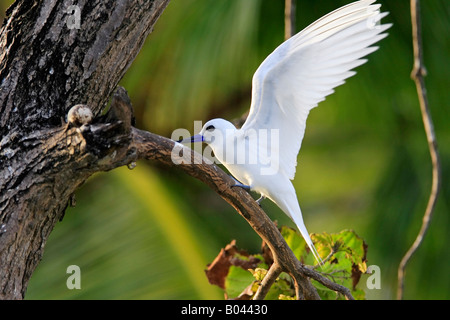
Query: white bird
[[292, 80]]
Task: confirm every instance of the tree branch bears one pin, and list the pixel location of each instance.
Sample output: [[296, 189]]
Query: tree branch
[[418, 73], [269, 279], [289, 18]]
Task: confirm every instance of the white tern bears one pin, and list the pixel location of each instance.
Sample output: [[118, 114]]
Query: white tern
[[293, 79]]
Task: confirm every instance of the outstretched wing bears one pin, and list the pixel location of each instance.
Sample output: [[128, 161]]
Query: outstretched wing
[[303, 70]]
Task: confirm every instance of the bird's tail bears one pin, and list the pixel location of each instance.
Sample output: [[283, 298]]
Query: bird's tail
[[291, 207], [298, 219]]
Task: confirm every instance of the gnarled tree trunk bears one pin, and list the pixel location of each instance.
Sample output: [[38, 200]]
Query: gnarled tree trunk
[[49, 61]]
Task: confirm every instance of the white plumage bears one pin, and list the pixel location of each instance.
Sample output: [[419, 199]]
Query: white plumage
[[291, 81]]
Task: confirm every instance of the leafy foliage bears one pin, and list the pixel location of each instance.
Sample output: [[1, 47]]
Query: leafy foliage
[[344, 256], [345, 261]]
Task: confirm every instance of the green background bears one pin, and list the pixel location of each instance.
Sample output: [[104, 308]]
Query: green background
[[149, 233]]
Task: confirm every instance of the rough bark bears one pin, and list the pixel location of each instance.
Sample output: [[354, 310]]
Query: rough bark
[[46, 68]]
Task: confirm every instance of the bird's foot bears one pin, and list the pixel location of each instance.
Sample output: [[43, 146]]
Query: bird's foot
[[240, 185], [260, 200]]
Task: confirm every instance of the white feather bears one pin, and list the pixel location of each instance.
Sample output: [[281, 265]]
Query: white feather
[[303, 70], [291, 81]]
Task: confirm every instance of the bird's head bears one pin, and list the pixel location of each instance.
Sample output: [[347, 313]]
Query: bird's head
[[213, 132]]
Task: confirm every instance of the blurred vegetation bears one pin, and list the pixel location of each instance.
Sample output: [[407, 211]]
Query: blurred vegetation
[[344, 253], [364, 163]]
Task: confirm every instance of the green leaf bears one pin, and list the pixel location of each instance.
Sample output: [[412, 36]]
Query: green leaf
[[347, 262], [237, 281], [259, 273], [344, 266], [294, 241], [283, 287]]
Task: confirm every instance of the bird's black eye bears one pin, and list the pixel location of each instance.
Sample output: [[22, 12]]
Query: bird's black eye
[[210, 128]]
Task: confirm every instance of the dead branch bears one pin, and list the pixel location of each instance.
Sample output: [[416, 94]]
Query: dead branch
[[289, 18], [418, 73]]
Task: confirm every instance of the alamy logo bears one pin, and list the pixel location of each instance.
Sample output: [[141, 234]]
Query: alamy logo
[[374, 281], [253, 148], [74, 280]]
